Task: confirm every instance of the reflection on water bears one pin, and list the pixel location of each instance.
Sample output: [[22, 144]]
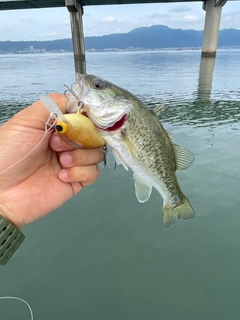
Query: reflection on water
[[195, 113], [205, 78], [8, 109], [200, 113], [104, 255]]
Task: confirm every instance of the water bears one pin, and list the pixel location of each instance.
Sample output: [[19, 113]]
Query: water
[[103, 255]]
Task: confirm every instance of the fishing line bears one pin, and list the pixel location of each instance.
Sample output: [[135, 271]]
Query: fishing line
[[16, 298], [48, 129]]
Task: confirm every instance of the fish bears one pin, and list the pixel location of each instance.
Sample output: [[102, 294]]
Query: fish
[[75, 129], [138, 141]]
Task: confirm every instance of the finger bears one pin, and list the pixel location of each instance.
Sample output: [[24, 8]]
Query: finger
[[85, 175], [57, 144], [37, 114], [81, 157], [76, 187]]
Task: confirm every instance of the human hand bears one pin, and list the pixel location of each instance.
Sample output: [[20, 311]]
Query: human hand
[[49, 176]]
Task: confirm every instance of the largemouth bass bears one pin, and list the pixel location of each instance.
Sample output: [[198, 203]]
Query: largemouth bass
[[138, 140]]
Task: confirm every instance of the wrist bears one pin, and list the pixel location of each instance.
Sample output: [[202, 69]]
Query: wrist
[[8, 215], [10, 239]]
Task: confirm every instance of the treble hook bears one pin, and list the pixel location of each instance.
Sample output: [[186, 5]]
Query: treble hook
[[80, 103], [104, 162]]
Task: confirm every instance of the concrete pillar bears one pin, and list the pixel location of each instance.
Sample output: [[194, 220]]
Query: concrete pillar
[[76, 12], [213, 10]]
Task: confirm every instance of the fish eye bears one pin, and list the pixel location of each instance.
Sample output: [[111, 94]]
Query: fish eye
[[98, 84], [61, 127]]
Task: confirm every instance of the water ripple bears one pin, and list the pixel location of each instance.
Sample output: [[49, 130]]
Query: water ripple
[[201, 114]]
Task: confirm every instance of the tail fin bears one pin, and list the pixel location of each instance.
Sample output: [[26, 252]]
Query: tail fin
[[172, 213]]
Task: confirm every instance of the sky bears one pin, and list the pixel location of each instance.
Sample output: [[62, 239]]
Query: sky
[[54, 23]]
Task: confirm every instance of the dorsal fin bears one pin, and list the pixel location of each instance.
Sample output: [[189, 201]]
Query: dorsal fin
[[158, 109], [184, 157], [170, 135]]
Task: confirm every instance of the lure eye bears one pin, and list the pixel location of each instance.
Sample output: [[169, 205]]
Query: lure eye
[[98, 84], [61, 127]]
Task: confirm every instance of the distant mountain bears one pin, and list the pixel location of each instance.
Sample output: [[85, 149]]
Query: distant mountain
[[63, 44], [229, 37], [154, 37]]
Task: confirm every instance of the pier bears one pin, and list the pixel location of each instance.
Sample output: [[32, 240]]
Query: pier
[[213, 10]]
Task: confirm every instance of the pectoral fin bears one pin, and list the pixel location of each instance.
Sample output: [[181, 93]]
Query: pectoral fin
[[143, 191], [119, 159], [127, 143], [184, 157]]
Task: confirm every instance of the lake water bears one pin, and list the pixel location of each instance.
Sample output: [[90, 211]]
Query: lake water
[[105, 256]]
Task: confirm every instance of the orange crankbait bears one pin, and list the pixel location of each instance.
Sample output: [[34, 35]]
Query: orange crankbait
[[79, 131], [75, 128]]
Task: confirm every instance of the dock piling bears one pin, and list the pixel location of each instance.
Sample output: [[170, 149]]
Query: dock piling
[[213, 10], [76, 12]]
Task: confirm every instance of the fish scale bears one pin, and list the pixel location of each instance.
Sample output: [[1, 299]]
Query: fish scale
[[152, 141]]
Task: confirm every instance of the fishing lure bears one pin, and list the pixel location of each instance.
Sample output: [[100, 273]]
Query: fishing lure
[[75, 129]]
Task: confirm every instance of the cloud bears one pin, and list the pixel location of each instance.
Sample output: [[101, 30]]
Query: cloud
[[231, 15], [87, 14], [190, 18], [111, 19], [47, 34], [154, 18], [180, 8], [29, 21], [51, 35], [158, 16], [65, 22], [54, 23], [230, 19]]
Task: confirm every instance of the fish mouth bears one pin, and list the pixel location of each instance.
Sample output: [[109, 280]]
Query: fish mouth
[[105, 119], [116, 126]]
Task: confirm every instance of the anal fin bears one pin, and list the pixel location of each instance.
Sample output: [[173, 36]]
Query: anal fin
[[143, 191]]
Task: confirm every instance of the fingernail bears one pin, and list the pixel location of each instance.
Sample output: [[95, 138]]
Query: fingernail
[[56, 142], [66, 159], [63, 175]]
